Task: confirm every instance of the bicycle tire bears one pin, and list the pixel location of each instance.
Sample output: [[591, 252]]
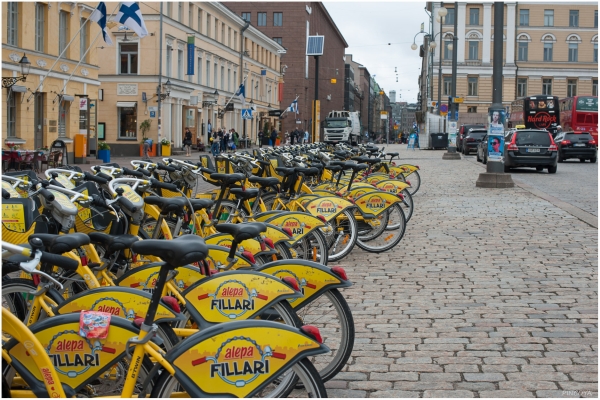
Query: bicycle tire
[[333, 238], [415, 181], [370, 247], [407, 206], [312, 247], [13, 291], [229, 205], [303, 369]]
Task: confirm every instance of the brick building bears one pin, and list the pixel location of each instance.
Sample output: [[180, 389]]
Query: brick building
[[289, 23]]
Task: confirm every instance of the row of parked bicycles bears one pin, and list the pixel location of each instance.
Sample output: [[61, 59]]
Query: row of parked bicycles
[[131, 282]]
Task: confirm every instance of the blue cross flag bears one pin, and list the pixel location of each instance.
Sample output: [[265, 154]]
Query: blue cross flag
[[241, 94], [293, 107], [130, 15], [99, 16]]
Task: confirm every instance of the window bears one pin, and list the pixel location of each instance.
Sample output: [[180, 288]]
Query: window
[[595, 52], [573, 49], [208, 25], [215, 75], [208, 73], [13, 23], [63, 31], [278, 40], [548, 51], [474, 16], [262, 19], [191, 15], [222, 78], [472, 109], [447, 85], [199, 20], [523, 17], [547, 87], [472, 82], [128, 53], [127, 123], [521, 87], [594, 87], [229, 79], [235, 78], [63, 116], [216, 32], [11, 115], [447, 51], [548, 17], [450, 17], [228, 37], [522, 55], [277, 19], [234, 40], [596, 19], [180, 12], [39, 26], [573, 18], [169, 62], [571, 87], [179, 64], [169, 9], [246, 16], [473, 50], [223, 33], [83, 39], [199, 71]]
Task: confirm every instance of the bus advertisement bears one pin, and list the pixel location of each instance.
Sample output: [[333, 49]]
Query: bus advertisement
[[535, 112], [580, 114]]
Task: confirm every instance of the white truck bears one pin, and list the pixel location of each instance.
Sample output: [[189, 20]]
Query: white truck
[[342, 126]]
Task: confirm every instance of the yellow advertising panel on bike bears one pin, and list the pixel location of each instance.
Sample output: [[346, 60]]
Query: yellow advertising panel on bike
[[376, 202], [328, 207], [299, 224], [392, 186]]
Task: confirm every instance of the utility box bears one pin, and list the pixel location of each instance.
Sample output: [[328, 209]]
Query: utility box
[[80, 149], [438, 140]]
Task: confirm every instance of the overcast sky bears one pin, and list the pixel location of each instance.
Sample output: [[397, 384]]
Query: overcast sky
[[368, 27]]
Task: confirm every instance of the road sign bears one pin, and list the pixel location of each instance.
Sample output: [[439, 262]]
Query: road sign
[[247, 113], [444, 109], [457, 100], [432, 104], [384, 114], [152, 114]]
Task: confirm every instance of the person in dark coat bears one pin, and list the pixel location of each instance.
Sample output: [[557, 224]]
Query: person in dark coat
[[273, 136]]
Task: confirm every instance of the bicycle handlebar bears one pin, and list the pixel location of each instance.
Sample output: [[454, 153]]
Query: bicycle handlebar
[[163, 185], [95, 178], [46, 194]]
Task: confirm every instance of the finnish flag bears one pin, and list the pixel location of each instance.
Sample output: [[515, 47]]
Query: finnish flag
[[293, 107], [99, 16], [130, 15], [241, 94]]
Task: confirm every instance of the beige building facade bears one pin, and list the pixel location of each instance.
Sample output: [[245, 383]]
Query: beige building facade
[[48, 105], [223, 55], [549, 48]]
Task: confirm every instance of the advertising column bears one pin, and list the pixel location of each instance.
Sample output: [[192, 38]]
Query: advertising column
[[496, 119]]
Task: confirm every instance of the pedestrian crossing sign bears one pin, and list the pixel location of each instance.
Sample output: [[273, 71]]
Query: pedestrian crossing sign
[[247, 113]]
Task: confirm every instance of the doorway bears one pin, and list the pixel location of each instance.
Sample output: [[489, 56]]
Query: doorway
[[38, 136]]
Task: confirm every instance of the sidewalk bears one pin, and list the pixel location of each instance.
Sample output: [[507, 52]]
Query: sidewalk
[[491, 293]]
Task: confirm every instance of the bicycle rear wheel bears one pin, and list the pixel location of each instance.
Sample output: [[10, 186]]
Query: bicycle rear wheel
[[341, 234], [415, 181], [312, 247], [388, 238]]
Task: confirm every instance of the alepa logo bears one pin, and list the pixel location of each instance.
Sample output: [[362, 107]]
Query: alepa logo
[[72, 355], [389, 187], [117, 309], [375, 203], [295, 225], [239, 361], [148, 285], [327, 207], [233, 299]]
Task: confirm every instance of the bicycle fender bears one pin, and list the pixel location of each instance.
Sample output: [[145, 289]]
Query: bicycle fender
[[234, 296], [323, 192], [328, 207], [298, 223], [224, 239], [357, 191], [305, 198], [373, 204], [374, 179], [120, 301], [262, 217], [217, 257], [277, 234], [144, 277], [239, 358], [392, 186], [77, 360], [313, 278]]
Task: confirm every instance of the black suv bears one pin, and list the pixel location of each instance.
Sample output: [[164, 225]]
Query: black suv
[[472, 139], [576, 145], [462, 132], [530, 148]]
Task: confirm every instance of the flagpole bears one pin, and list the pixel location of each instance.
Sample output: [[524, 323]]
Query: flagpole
[[286, 110], [81, 58], [234, 93], [63, 52]]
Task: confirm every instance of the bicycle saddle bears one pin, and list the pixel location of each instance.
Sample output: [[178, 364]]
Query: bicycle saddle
[[113, 243], [283, 171], [228, 178], [183, 250], [244, 194], [241, 232], [59, 244], [342, 164], [392, 155], [307, 171], [333, 168], [357, 167], [263, 162], [371, 160], [167, 204], [201, 204], [264, 182]]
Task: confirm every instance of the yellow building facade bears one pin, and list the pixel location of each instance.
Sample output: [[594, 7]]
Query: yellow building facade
[[548, 49], [57, 99], [224, 53]]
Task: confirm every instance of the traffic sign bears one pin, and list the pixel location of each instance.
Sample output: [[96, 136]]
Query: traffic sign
[[247, 113], [457, 100], [444, 109]]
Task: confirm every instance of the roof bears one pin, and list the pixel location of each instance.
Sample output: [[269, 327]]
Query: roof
[[320, 4]]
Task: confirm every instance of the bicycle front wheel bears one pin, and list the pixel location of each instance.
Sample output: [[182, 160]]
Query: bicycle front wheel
[[393, 218]]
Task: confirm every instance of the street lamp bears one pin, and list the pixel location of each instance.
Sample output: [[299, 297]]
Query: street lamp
[[165, 91], [25, 66]]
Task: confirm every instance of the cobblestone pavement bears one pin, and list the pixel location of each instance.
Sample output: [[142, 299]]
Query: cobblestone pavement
[[491, 293]]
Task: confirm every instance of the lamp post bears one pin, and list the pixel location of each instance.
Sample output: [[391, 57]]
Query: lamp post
[[451, 154], [25, 65]]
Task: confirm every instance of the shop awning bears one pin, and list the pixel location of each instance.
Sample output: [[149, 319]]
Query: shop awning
[[66, 97], [18, 89], [126, 103]]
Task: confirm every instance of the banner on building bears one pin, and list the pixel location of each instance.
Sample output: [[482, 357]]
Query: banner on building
[[191, 46]]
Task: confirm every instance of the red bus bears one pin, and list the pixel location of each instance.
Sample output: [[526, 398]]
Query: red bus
[[535, 112], [580, 114]]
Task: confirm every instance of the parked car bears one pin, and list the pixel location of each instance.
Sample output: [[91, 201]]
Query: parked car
[[464, 129], [530, 148], [472, 139], [482, 150], [576, 145]]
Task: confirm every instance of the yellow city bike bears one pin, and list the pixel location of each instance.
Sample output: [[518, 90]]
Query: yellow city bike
[[241, 359]]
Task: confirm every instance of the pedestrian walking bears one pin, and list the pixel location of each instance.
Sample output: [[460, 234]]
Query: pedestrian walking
[[260, 138], [292, 137], [187, 142], [305, 136], [214, 148], [273, 137], [236, 138], [147, 147], [221, 138]]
